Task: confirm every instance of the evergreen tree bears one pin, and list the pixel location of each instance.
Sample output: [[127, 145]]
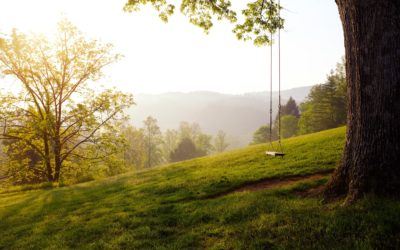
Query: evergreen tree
[[290, 108], [325, 107]]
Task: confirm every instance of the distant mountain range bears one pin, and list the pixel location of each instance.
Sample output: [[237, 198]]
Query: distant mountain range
[[238, 115]]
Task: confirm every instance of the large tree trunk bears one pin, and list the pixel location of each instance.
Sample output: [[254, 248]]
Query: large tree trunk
[[371, 160]]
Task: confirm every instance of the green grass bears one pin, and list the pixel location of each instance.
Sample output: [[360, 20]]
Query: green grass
[[168, 208]]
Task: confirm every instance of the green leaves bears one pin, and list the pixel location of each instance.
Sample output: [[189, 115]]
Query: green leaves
[[261, 18], [202, 12], [60, 114], [255, 23], [326, 104], [165, 9]]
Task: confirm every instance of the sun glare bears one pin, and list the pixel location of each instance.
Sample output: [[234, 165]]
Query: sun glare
[[171, 57]]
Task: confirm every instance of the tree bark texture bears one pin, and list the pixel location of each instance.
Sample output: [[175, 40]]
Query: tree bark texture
[[371, 159]]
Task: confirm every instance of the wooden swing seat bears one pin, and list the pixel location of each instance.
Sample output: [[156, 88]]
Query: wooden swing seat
[[275, 154]]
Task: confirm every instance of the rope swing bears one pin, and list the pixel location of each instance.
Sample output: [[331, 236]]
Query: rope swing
[[279, 150]]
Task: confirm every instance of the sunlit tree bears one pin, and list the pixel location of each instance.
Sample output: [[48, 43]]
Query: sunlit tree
[[290, 108], [60, 109]]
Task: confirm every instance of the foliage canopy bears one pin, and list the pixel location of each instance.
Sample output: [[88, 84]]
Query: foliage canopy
[[256, 22]]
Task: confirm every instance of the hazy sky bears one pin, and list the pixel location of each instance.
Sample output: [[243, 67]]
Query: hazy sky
[[179, 57]]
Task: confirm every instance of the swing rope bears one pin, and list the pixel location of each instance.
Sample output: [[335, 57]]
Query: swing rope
[[270, 93], [279, 130], [279, 83]]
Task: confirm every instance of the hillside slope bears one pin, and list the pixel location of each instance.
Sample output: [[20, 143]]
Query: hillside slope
[[193, 205]]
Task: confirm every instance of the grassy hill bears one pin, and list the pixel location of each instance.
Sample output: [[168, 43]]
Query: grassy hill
[[197, 204]]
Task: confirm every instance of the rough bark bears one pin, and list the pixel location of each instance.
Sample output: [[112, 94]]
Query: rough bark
[[371, 159]]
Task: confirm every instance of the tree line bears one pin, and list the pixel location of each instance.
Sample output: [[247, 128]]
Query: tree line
[[324, 108], [148, 146]]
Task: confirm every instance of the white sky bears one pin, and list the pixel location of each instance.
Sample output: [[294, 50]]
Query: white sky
[[179, 57]]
